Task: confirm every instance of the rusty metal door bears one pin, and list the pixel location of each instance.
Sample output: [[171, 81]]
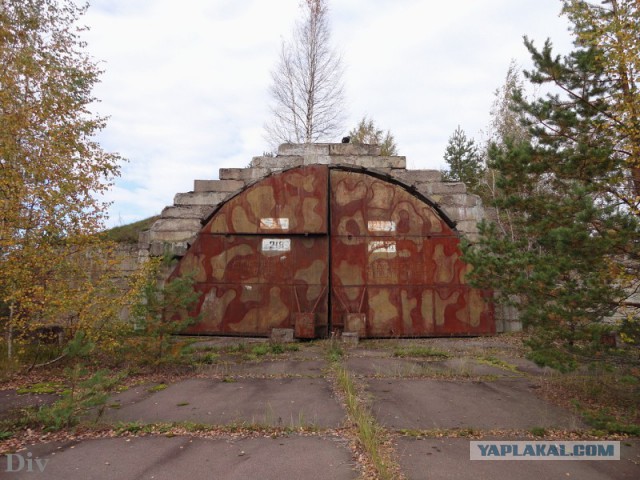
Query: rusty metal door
[[261, 260], [395, 264], [320, 249]]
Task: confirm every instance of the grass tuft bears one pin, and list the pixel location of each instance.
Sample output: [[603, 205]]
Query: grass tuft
[[370, 434], [496, 362], [157, 388], [40, 388]]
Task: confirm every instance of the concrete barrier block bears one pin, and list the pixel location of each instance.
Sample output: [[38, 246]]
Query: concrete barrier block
[[217, 185], [395, 162], [192, 211], [459, 199], [414, 177], [460, 214], [350, 339], [200, 198], [176, 224], [144, 239], [473, 213], [303, 149], [281, 335], [425, 189], [473, 200], [354, 149], [368, 161], [448, 187], [172, 236], [317, 160], [159, 248], [279, 162], [244, 174]]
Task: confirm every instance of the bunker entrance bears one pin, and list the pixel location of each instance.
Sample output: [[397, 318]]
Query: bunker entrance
[[321, 248]]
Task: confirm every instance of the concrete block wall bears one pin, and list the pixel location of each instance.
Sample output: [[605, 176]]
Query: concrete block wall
[[179, 223]]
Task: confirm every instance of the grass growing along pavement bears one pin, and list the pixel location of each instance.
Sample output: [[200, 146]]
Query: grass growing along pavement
[[334, 352], [607, 397], [41, 388], [496, 362], [273, 348], [158, 388], [248, 351], [371, 436]]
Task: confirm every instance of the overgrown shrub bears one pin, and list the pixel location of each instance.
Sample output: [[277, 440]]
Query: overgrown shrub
[[162, 309]]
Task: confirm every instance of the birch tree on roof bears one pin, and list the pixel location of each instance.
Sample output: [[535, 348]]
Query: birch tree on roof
[[307, 93]]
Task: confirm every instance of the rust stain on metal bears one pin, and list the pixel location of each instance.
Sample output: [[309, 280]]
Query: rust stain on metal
[[304, 325], [295, 199], [264, 259], [406, 254], [356, 323]]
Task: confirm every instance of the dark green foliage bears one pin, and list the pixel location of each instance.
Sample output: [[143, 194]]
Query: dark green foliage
[[368, 133], [40, 388], [464, 160], [563, 263], [538, 431], [164, 308], [604, 421], [334, 351], [85, 392], [271, 349]]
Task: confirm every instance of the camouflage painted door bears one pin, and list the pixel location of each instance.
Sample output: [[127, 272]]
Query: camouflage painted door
[[260, 262], [319, 249], [395, 264]]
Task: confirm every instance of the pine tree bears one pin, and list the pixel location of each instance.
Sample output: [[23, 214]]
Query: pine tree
[[567, 266], [464, 160], [368, 133]]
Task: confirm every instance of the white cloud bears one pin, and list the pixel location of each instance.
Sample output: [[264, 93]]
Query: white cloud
[[185, 84]]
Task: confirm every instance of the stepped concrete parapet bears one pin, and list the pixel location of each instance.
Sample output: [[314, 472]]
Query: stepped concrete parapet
[[179, 223]]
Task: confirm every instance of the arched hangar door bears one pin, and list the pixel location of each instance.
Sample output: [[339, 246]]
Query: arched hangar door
[[321, 248]]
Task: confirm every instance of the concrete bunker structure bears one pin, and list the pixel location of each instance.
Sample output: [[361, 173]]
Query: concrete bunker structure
[[323, 238]]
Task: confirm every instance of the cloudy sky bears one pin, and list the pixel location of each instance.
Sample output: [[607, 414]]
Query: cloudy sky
[[186, 83]]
